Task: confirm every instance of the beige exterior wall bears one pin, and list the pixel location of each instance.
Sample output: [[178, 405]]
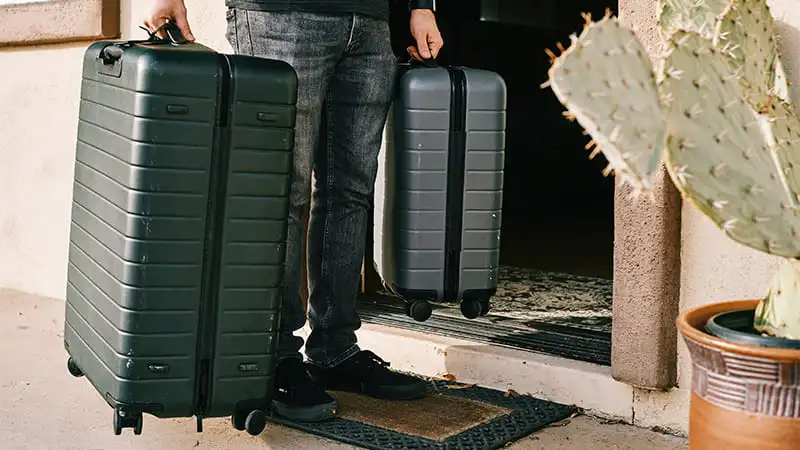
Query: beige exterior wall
[[38, 125]]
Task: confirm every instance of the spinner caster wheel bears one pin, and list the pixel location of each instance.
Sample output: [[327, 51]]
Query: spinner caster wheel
[[73, 368], [117, 423], [124, 419], [471, 308], [238, 420], [485, 307], [256, 422], [137, 429], [419, 310]]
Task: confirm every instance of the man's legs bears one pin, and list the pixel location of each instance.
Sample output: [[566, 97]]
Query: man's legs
[[356, 106], [312, 44]]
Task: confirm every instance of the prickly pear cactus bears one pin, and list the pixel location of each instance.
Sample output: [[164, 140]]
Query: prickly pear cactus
[[779, 313], [744, 28], [723, 155], [700, 16], [733, 146], [746, 33], [781, 82], [606, 81], [784, 136]]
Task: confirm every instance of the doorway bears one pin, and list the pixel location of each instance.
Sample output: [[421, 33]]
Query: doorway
[[557, 219]]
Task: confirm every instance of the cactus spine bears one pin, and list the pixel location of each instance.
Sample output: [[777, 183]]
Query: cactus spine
[[699, 16], [620, 108], [712, 110]]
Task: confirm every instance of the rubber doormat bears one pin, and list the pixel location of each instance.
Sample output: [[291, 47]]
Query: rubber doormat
[[452, 417]]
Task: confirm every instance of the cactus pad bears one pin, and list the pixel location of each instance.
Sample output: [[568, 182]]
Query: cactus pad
[[781, 82], [700, 16], [606, 81], [724, 156], [779, 313], [747, 34]]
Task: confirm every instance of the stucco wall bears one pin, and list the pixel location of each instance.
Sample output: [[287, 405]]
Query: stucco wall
[[38, 118]]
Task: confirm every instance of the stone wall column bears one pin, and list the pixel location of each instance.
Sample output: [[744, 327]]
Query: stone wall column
[[646, 261]]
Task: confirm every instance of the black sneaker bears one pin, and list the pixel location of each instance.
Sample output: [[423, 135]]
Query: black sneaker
[[366, 373], [297, 397]]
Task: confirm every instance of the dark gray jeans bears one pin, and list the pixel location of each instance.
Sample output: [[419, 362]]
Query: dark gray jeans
[[344, 62]]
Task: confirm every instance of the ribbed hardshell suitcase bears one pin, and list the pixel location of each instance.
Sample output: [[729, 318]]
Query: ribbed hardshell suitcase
[[178, 229], [438, 196]]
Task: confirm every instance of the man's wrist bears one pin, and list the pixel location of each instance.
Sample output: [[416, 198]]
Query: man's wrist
[[422, 4]]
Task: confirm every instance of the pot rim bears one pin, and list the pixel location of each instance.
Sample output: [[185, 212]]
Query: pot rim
[[691, 323]]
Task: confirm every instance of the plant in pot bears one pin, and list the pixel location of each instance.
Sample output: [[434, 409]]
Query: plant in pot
[[712, 107]]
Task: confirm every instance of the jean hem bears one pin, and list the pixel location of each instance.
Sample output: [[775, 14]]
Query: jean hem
[[340, 358]]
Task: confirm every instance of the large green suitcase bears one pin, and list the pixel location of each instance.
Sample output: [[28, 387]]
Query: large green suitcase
[[178, 229]]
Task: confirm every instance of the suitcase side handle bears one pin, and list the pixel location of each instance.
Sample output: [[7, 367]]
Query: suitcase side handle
[[111, 54]]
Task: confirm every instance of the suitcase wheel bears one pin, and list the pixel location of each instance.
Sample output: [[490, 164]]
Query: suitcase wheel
[[238, 420], [256, 422], [485, 307], [126, 419], [419, 310], [73, 368], [471, 308]]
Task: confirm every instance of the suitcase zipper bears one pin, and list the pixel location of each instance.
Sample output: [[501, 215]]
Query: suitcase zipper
[[212, 258], [454, 210]]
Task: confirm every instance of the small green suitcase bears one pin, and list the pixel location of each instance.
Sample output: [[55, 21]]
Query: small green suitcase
[[178, 229]]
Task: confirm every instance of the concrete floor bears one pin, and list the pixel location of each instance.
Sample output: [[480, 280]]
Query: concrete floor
[[43, 407]]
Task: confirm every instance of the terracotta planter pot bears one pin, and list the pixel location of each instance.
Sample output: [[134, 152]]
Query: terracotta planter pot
[[743, 397]]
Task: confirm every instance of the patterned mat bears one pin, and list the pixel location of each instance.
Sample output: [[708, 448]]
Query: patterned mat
[[530, 295]]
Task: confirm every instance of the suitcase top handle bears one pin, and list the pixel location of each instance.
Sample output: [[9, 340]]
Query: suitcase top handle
[[414, 63], [169, 28], [430, 62], [112, 53]]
